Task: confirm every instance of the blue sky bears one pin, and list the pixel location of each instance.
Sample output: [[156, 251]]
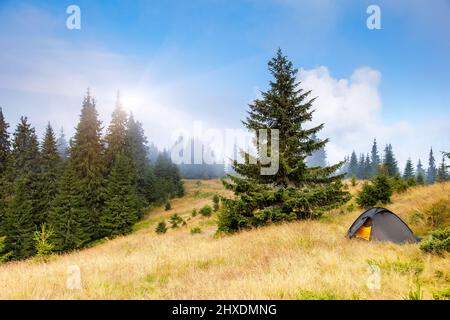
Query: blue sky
[[177, 62]]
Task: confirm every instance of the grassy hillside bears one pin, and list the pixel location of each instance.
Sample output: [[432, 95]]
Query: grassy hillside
[[300, 260]]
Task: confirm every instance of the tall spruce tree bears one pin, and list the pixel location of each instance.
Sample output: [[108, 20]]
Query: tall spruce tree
[[50, 163], [353, 165], [295, 191], [432, 170], [367, 168], [389, 161], [78, 205], [116, 137], [408, 173], [139, 151], [5, 171], [122, 204], [420, 173], [374, 159], [62, 145], [442, 174], [319, 157], [23, 210]]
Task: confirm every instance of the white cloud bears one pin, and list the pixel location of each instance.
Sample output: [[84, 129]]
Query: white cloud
[[352, 112]]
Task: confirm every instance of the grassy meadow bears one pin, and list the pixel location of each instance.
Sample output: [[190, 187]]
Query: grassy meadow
[[299, 260]]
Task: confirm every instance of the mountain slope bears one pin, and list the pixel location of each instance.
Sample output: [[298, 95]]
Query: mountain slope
[[300, 260]]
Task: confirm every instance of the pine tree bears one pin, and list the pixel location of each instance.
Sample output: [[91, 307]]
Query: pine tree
[[139, 151], [408, 173], [78, 205], [167, 178], [23, 210], [361, 167], [442, 174], [295, 191], [353, 166], [420, 173], [122, 205], [432, 171], [50, 165], [319, 157], [63, 147], [5, 171], [389, 161], [116, 137], [70, 217], [367, 168], [374, 159], [5, 144]]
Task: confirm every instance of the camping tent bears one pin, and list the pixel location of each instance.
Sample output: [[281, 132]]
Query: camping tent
[[380, 224]]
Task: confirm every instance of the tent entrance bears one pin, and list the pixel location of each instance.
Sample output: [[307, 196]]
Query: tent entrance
[[364, 232]]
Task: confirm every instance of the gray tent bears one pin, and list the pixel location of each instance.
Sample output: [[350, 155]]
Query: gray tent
[[383, 225]]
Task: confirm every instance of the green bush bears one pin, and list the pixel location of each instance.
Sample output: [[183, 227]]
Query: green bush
[[439, 241], [168, 206], [351, 207], [42, 242], [175, 220], [196, 230], [353, 181], [161, 228], [206, 211], [216, 201], [194, 212], [312, 295], [442, 294], [378, 191]]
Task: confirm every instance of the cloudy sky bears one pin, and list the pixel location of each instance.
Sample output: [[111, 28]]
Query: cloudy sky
[[180, 62]]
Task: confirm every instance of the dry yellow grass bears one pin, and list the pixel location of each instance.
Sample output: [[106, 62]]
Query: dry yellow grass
[[274, 262]]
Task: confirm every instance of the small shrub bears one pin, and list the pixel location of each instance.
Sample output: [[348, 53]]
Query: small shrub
[[379, 191], [416, 293], [353, 181], [168, 206], [438, 243], [206, 211], [161, 228], [351, 207], [442, 294], [42, 242], [311, 295], [216, 201], [196, 230], [194, 212], [175, 220]]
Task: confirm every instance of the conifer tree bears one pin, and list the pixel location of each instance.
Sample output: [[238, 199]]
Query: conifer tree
[[122, 205], [116, 137], [319, 157], [389, 161], [295, 191], [62, 145], [50, 165], [23, 210], [442, 174], [70, 217], [361, 167], [353, 166], [5, 171], [420, 173], [139, 152], [409, 170], [77, 208], [432, 170], [374, 159], [367, 168]]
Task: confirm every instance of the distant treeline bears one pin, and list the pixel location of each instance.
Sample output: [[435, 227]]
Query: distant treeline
[[365, 166], [92, 187]]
